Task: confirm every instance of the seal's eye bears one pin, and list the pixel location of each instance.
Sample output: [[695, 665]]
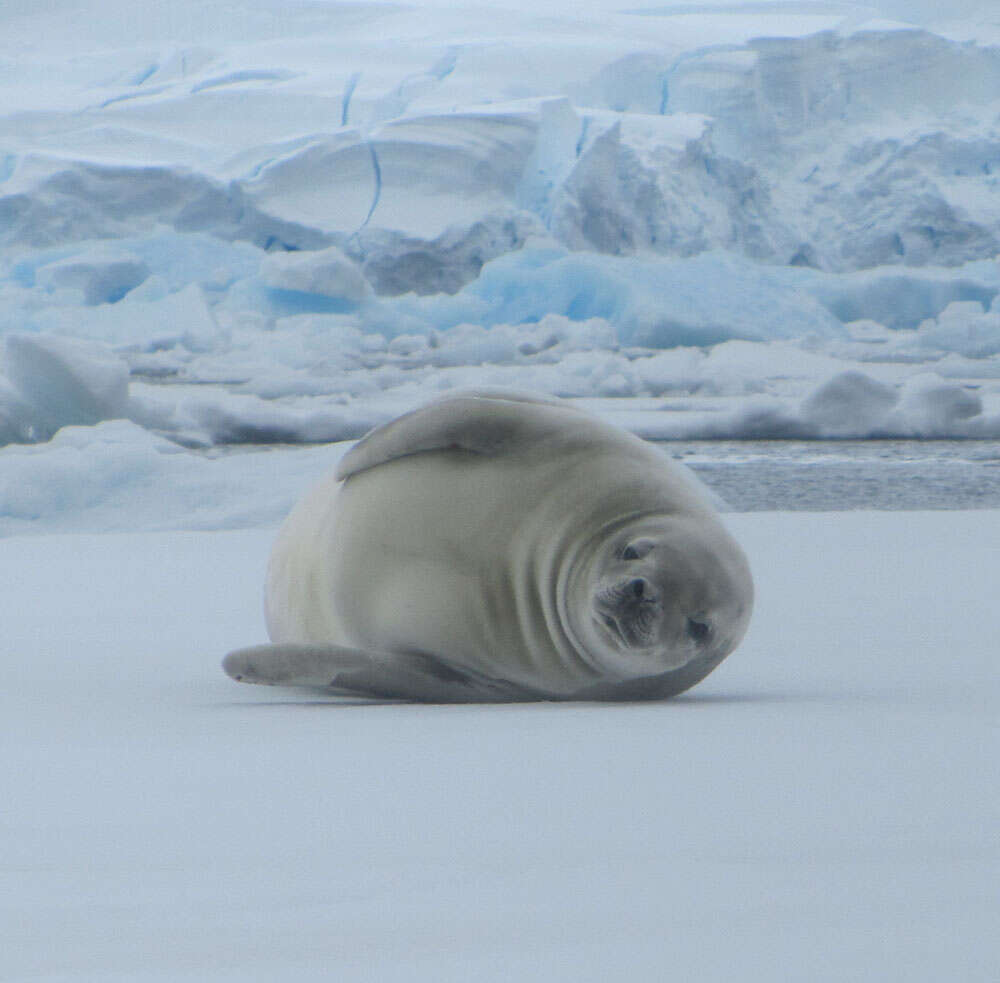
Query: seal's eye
[[637, 549], [698, 630]]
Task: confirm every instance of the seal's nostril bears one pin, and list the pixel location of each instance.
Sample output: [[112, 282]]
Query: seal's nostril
[[637, 587]]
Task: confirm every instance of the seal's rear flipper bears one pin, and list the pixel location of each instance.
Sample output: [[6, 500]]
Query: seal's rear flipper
[[353, 672]]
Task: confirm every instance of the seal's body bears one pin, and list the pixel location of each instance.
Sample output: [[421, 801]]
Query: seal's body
[[498, 547]]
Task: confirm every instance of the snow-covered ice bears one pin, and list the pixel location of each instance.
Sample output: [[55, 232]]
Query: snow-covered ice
[[822, 807]]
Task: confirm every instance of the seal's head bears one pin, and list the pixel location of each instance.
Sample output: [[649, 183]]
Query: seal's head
[[665, 591]]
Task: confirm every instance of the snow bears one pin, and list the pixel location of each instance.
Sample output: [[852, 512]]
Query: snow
[[823, 804]]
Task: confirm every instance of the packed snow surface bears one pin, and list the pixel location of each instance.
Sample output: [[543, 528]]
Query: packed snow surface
[[282, 222], [822, 807]]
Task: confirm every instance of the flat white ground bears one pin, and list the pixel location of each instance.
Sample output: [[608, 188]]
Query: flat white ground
[[824, 807]]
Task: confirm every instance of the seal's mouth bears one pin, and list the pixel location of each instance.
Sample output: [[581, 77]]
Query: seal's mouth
[[630, 627], [612, 625]]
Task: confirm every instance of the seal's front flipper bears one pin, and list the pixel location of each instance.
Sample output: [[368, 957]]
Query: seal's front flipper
[[353, 672], [485, 422]]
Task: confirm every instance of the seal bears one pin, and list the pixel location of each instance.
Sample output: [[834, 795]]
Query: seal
[[492, 546]]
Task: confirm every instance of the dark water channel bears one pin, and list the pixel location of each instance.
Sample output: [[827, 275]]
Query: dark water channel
[[847, 474]]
